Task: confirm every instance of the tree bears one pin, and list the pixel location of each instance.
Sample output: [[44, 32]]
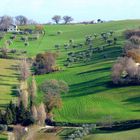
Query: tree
[[41, 114], [44, 63], [12, 107], [56, 19], [5, 21], [33, 91], [23, 93], [20, 112], [67, 19], [24, 70], [4, 51], [8, 116], [34, 112], [109, 42], [21, 20], [52, 90]]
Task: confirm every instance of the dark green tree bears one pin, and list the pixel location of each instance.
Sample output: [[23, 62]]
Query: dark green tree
[[8, 116]]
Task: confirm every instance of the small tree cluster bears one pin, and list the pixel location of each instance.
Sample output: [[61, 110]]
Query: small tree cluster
[[52, 90], [125, 71], [44, 63], [58, 18]]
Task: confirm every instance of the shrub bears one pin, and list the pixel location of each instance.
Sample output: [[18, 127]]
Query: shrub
[[44, 63], [129, 33], [26, 43], [135, 40], [3, 127]]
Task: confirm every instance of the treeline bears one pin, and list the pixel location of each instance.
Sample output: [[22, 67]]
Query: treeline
[[5, 21]]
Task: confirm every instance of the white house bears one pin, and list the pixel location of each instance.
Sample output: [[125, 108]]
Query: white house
[[12, 28]]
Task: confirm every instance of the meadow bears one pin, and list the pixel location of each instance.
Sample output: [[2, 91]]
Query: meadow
[[125, 135], [92, 97]]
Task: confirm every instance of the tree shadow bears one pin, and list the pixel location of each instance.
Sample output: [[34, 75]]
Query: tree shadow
[[134, 100], [90, 87], [96, 70]]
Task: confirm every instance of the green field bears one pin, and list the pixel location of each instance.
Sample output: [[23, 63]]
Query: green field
[[125, 135], [8, 81], [91, 96]]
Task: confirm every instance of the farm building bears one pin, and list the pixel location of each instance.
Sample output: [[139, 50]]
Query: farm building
[[12, 28]]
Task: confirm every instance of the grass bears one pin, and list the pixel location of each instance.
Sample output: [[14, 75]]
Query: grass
[[125, 135], [8, 80], [91, 96], [3, 136]]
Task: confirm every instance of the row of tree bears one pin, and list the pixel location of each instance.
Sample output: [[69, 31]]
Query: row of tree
[[5, 21], [58, 18]]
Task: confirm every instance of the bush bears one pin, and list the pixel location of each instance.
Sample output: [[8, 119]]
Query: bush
[[26, 43], [135, 40], [129, 33], [3, 127], [25, 38]]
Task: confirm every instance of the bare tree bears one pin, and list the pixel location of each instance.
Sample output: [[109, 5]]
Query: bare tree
[[4, 51], [131, 68], [34, 112], [52, 90], [23, 93], [56, 19], [67, 19], [24, 70], [19, 132], [5, 21], [116, 72], [33, 88], [41, 114], [21, 20]]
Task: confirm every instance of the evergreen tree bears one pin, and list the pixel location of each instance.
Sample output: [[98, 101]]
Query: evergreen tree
[[8, 116], [12, 107], [20, 113]]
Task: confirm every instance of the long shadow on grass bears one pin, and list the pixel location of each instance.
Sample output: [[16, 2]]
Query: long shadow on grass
[[135, 100], [96, 70], [90, 87]]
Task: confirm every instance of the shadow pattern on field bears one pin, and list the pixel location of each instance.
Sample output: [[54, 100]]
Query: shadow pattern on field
[[96, 70], [90, 87], [134, 100]]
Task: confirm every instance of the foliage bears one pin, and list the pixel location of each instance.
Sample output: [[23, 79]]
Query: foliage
[[44, 63]]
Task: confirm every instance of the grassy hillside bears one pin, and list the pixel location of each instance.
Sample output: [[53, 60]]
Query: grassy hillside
[[8, 80], [91, 95], [125, 135]]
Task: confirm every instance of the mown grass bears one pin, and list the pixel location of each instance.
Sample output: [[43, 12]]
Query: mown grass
[[3, 136], [125, 135], [8, 81], [91, 96]]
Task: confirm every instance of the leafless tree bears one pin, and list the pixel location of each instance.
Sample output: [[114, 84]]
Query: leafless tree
[[24, 70], [23, 93], [34, 112], [19, 132], [116, 72], [67, 19], [21, 20], [56, 19], [5, 21], [41, 114]]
